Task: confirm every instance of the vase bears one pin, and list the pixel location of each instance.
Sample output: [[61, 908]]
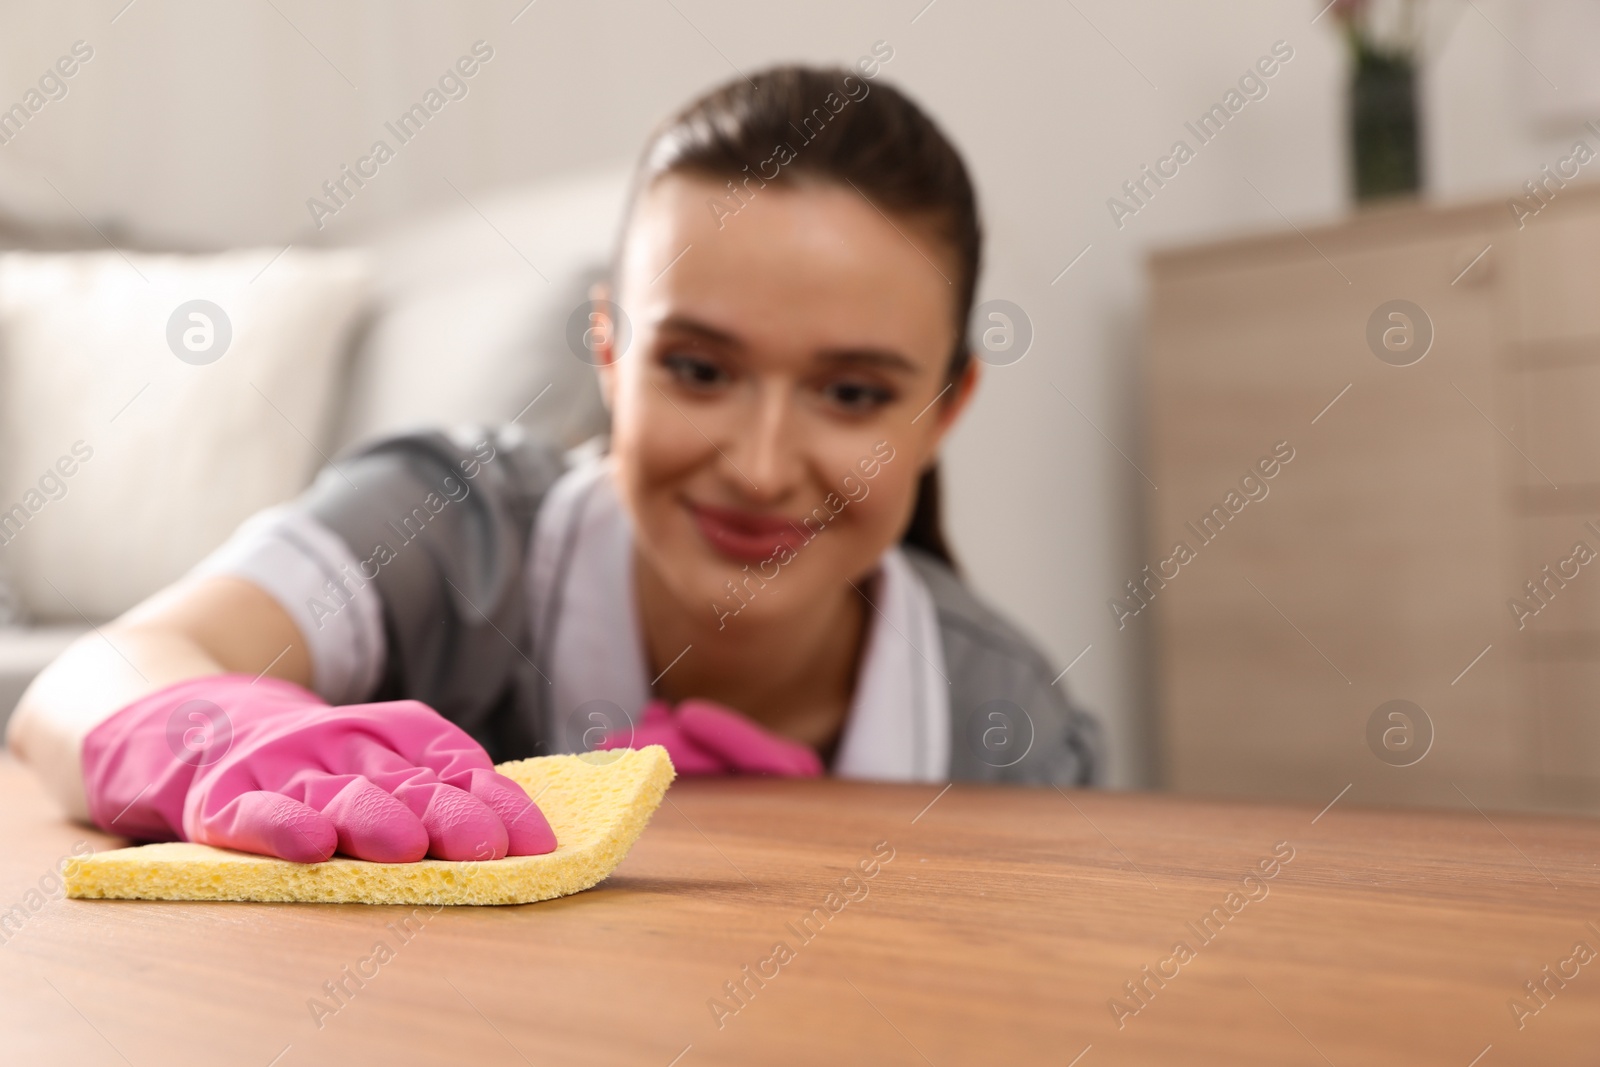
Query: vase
[[1386, 157]]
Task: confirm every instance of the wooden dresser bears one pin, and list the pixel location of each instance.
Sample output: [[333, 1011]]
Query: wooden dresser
[[1385, 560]]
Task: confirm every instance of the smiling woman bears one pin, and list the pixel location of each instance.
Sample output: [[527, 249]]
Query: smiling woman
[[775, 369]]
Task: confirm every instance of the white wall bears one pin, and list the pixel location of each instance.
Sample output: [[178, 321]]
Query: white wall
[[210, 124]]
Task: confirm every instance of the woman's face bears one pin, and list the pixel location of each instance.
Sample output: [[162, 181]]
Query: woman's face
[[777, 401]]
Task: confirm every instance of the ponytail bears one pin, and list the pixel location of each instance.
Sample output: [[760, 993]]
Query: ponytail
[[926, 530]]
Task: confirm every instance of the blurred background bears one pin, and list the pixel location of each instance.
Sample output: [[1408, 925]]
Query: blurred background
[[1343, 347]]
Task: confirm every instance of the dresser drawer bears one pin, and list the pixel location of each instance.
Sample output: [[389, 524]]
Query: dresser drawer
[[1555, 587], [1558, 258], [1567, 715], [1557, 417]]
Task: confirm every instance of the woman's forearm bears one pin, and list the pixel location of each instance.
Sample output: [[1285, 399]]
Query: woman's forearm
[[215, 626]]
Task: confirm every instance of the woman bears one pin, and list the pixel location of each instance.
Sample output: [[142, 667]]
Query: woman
[[760, 533]]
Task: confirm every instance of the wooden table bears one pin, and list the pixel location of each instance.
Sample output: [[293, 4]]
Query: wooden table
[[1001, 932]]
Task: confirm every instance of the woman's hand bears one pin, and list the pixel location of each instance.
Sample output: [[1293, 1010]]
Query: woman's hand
[[704, 738], [266, 766]]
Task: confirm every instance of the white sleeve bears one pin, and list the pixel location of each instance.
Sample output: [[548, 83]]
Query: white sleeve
[[316, 579]]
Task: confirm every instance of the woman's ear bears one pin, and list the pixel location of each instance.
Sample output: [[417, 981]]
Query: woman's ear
[[600, 340], [956, 401]]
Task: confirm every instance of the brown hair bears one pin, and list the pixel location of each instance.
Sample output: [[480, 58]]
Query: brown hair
[[837, 127]]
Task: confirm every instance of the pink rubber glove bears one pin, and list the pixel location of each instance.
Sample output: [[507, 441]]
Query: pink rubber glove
[[704, 738], [265, 766]]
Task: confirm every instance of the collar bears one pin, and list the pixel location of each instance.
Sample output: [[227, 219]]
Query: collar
[[587, 639]]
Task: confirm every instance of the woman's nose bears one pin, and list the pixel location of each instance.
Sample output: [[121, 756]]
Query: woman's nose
[[764, 452]]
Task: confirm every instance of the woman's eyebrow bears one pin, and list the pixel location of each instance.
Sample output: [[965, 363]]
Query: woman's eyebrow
[[684, 324], [886, 359], [879, 358]]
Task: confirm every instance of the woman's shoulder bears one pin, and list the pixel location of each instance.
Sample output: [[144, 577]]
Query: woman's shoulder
[[505, 468], [514, 459], [962, 612], [995, 670]]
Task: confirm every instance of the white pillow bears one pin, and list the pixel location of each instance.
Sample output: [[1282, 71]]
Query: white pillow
[[473, 303], [11, 610], [122, 464], [477, 350]]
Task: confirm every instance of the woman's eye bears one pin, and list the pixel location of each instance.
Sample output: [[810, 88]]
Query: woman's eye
[[694, 372], [857, 397]]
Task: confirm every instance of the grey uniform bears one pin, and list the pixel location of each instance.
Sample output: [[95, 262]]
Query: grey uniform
[[458, 636]]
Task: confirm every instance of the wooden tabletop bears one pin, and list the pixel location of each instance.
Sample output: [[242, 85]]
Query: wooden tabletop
[[1003, 930]]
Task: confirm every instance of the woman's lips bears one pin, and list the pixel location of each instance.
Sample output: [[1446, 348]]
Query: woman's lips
[[744, 536]]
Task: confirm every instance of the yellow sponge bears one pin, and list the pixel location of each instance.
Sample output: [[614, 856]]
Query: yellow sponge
[[597, 803]]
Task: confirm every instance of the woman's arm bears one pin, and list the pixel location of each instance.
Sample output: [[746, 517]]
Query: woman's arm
[[108, 729], [210, 625]]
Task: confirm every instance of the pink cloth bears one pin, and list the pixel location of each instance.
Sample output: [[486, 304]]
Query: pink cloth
[[704, 738], [265, 766]]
